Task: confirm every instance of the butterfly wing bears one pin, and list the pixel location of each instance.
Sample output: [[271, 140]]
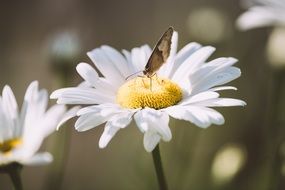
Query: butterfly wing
[[159, 54]]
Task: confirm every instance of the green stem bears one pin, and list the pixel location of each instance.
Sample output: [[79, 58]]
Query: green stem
[[16, 179], [158, 168], [60, 147], [14, 171], [60, 152], [276, 127]]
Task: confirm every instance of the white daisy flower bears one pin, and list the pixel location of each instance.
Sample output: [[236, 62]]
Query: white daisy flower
[[21, 133], [185, 88], [262, 13]]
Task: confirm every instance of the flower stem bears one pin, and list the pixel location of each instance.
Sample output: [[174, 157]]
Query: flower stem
[[14, 171], [60, 144], [16, 179], [158, 168]]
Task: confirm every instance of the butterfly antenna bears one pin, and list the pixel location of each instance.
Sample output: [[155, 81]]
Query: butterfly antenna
[[150, 83], [132, 75]]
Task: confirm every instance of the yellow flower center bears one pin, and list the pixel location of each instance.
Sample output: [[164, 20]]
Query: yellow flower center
[[153, 92], [8, 145]]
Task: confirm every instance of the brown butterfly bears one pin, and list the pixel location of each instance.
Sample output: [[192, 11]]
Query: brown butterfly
[[159, 54]]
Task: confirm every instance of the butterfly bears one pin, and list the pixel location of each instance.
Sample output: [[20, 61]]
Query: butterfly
[[159, 54]]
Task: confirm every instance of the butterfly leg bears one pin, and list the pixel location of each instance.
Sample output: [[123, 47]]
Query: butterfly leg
[[150, 83], [142, 80], [150, 78], [156, 77]]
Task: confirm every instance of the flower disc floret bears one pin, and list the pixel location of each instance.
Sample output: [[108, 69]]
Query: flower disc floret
[[152, 92], [8, 145]]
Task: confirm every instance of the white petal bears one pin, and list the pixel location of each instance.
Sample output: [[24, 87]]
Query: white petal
[[98, 108], [96, 117], [84, 84], [38, 159], [102, 85], [107, 135], [181, 113], [106, 67], [118, 121], [205, 116], [6, 126], [150, 140], [89, 121], [105, 86], [41, 101], [146, 49], [216, 79], [117, 59], [153, 120], [32, 139], [223, 88], [222, 102], [87, 73], [140, 57], [78, 95], [200, 116], [199, 97], [128, 57], [37, 126], [214, 67], [31, 90], [51, 119], [9, 103], [34, 105], [68, 115], [192, 63], [183, 54], [10, 113], [121, 120]]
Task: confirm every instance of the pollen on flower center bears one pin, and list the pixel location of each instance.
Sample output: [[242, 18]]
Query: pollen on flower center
[[8, 145], [152, 92]]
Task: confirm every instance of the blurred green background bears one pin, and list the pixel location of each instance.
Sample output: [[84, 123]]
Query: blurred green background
[[39, 39]]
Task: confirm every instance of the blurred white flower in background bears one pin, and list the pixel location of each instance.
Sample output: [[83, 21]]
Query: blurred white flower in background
[[276, 47], [64, 45], [208, 25], [185, 88], [267, 13], [262, 13], [62, 51], [22, 132], [228, 162]]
